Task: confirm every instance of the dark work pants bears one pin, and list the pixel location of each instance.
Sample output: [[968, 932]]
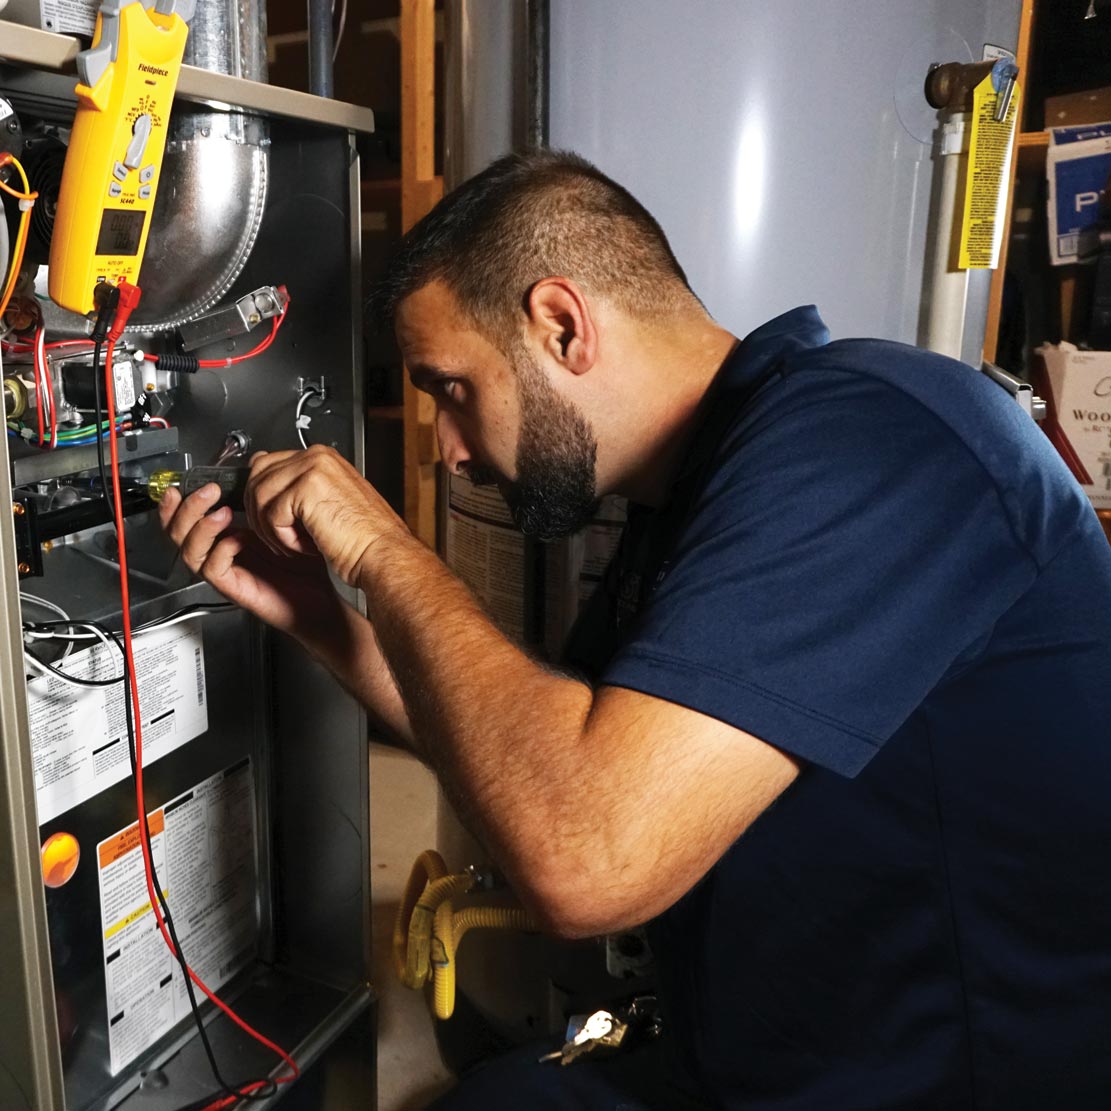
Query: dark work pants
[[644, 1079]]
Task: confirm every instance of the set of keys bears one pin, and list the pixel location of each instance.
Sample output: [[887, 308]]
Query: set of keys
[[604, 1033]]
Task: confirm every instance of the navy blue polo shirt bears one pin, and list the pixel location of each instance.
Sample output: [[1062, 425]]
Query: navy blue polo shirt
[[874, 560]]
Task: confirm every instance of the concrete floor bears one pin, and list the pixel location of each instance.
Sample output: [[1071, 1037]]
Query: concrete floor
[[403, 803]]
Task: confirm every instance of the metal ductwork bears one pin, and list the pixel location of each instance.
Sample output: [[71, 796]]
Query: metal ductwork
[[215, 175]]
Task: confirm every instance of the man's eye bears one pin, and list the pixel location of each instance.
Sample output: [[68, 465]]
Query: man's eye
[[452, 389]]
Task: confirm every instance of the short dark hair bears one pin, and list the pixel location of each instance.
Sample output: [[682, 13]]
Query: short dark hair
[[530, 216]]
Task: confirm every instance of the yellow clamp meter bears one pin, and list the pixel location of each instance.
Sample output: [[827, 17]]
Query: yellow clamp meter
[[126, 88]]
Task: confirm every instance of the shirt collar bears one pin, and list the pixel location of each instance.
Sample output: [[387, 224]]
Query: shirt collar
[[747, 367]]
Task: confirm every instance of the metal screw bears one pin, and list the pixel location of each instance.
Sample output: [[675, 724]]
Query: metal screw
[[24, 568], [18, 508], [13, 126]]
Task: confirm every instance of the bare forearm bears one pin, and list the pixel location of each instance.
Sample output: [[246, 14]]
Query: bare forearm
[[501, 730], [602, 809]]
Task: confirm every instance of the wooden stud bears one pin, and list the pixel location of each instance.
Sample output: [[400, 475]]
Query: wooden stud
[[995, 300], [421, 189]]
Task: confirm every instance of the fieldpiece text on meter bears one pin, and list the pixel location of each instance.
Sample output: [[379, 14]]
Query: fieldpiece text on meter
[[124, 96]]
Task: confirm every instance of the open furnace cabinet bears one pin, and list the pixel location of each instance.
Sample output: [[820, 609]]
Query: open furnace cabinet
[[256, 766]]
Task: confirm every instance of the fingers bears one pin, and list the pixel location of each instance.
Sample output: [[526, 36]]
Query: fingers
[[279, 486], [171, 499], [199, 541], [265, 465], [179, 517], [195, 527], [222, 555]]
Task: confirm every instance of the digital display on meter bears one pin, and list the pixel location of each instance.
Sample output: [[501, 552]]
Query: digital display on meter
[[120, 232]]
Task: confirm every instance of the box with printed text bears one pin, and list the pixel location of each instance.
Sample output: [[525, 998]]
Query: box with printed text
[[1077, 166], [1077, 388]]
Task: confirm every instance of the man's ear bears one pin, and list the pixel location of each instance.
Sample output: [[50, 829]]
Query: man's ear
[[561, 322]]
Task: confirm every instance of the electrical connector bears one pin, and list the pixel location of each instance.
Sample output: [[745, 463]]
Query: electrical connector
[[129, 298], [178, 364], [106, 297]]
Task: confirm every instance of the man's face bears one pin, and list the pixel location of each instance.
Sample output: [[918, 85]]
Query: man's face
[[500, 419]]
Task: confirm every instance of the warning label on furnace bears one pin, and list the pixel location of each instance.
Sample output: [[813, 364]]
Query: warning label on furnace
[[203, 848], [79, 734], [69, 17]]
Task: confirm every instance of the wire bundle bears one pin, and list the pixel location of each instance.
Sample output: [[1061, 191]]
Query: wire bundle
[[26, 201], [49, 434], [187, 364]]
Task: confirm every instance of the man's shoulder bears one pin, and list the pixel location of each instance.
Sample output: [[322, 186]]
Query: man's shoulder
[[870, 411]]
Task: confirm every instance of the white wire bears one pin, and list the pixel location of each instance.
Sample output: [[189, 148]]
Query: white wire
[[302, 401], [47, 399], [96, 634], [46, 605], [42, 669], [51, 608], [35, 634], [171, 621], [342, 28]]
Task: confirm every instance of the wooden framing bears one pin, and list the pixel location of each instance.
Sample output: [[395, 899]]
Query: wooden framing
[[420, 190], [995, 301]]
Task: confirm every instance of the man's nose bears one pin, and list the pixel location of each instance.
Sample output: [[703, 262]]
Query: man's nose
[[453, 451]]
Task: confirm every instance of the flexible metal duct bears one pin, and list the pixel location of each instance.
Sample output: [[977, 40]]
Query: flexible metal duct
[[214, 180]]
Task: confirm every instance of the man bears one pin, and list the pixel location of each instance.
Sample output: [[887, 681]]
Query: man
[[858, 584]]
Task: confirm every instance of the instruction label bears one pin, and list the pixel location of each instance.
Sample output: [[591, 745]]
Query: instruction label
[[79, 734], [989, 176], [203, 847], [487, 551], [69, 17]]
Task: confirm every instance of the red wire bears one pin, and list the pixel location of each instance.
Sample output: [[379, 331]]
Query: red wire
[[48, 382], [39, 400], [209, 363], [227, 1101], [125, 602], [69, 343], [23, 348]]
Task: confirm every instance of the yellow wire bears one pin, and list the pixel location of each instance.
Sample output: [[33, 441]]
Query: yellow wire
[[18, 195], [5, 159], [24, 229]]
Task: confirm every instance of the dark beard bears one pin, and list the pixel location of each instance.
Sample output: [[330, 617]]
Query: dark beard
[[553, 495]]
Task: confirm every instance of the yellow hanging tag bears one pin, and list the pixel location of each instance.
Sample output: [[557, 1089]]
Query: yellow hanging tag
[[989, 176]]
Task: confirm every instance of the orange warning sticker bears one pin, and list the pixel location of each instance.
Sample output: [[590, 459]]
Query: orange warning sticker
[[128, 840], [203, 849]]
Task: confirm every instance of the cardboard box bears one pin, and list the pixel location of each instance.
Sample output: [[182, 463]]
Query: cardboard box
[[1077, 165], [1076, 386], [1071, 109]]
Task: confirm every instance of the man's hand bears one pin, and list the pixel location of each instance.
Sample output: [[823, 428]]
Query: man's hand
[[288, 588], [314, 501], [291, 593]]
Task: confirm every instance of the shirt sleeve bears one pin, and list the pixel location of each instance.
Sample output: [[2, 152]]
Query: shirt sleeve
[[847, 553]]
